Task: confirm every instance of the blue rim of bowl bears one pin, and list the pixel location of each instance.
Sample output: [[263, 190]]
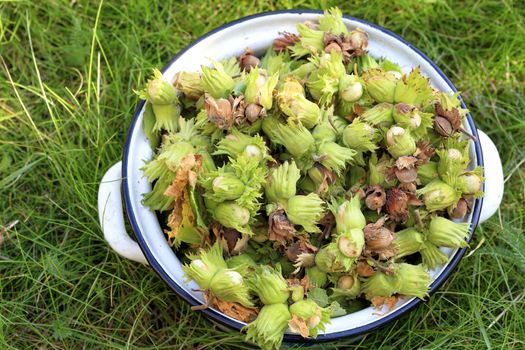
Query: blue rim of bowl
[[291, 338]]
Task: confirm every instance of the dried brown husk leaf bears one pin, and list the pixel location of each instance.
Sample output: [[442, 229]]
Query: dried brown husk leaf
[[453, 116], [350, 45], [182, 214], [235, 310], [219, 112], [301, 253], [232, 241], [285, 41], [413, 200], [243, 113], [389, 302], [303, 282], [279, 228], [424, 152], [328, 223], [329, 178], [300, 246], [364, 269], [397, 204], [298, 325]]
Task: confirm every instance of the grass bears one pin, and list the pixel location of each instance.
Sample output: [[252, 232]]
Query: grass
[[67, 71]]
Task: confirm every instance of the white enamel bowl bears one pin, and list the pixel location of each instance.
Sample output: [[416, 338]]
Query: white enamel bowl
[[258, 32]]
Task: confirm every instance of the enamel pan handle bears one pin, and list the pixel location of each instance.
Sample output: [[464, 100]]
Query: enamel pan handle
[[493, 177], [111, 216]]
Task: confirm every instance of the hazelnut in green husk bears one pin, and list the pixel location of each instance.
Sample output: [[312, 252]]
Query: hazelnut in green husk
[[163, 98], [407, 116], [351, 243], [332, 21], [431, 256], [322, 178], [267, 330], [330, 259], [148, 124], [471, 182], [200, 272], [227, 187], [451, 161], [317, 276], [341, 254], [382, 87], [190, 84], [380, 284], [406, 279], [204, 266], [380, 114], [408, 242], [259, 89], [232, 215], [216, 81], [427, 172], [350, 88], [377, 170], [269, 285], [361, 136], [437, 195], [323, 81], [348, 286], [348, 215], [323, 88], [413, 280], [166, 163], [366, 62], [241, 262], [399, 142], [229, 285], [305, 211], [281, 182], [330, 64], [446, 233], [274, 62], [308, 318], [329, 127], [311, 41], [295, 138], [237, 143], [335, 157], [297, 292]]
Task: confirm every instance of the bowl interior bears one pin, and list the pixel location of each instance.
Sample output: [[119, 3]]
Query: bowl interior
[[257, 33]]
